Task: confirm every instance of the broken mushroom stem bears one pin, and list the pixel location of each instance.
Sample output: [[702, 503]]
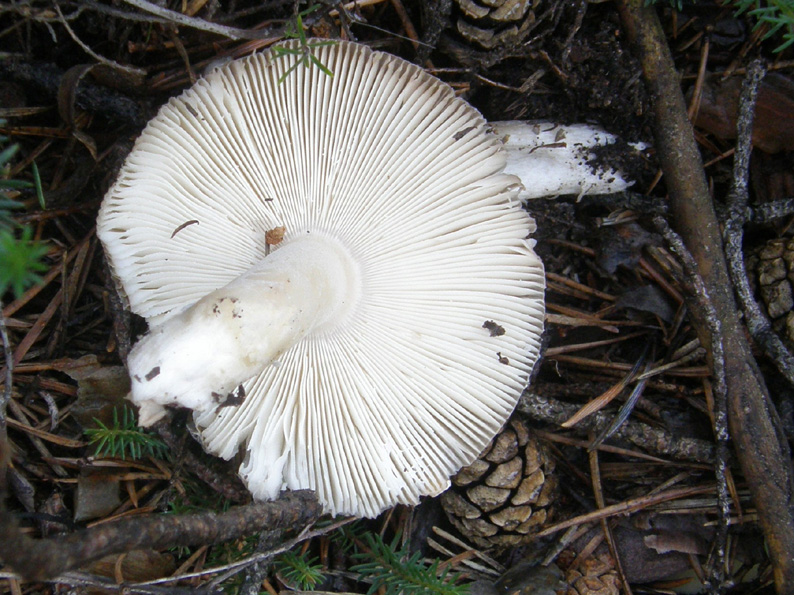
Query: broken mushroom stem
[[200, 357], [554, 159]]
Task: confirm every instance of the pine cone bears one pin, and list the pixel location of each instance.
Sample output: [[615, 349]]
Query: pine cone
[[494, 23], [506, 494], [773, 267], [595, 576]]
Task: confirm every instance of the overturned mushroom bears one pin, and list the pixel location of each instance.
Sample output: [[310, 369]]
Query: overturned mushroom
[[351, 356]]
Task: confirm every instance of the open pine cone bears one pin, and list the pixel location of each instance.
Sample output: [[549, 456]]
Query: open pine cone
[[494, 23], [506, 494], [595, 576], [773, 269]]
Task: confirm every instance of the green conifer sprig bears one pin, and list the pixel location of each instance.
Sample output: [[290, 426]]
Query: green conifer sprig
[[390, 567], [124, 438], [300, 571], [20, 260], [777, 14], [20, 255]]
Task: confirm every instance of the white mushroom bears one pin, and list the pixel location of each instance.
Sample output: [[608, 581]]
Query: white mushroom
[[379, 346]]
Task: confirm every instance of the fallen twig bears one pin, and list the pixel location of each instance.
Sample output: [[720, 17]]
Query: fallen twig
[[46, 78], [228, 570], [703, 304], [654, 440], [195, 23], [598, 494], [768, 212], [108, 585], [626, 507], [45, 559], [92, 53]]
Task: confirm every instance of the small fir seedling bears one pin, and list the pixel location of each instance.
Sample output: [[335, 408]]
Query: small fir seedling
[[124, 438], [20, 260], [392, 570], [299, 571], [296, 30]]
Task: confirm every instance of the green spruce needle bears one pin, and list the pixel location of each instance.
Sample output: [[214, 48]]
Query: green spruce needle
[[37, 183], [124, 438]]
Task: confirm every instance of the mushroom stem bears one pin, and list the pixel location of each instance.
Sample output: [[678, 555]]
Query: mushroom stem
[[200, 357], [553, 159]]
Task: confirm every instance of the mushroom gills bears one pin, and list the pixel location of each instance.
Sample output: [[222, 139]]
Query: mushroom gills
[[199, 357], [386, 382]]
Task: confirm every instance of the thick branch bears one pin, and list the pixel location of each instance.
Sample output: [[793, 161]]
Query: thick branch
[[43, 559], [763, 454]]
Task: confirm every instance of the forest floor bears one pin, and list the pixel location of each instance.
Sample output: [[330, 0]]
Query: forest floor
[[636, 321]]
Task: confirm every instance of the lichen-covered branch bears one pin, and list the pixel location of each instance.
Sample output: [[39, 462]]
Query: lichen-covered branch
[[657, 441], [757, 323], [699, 297]]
